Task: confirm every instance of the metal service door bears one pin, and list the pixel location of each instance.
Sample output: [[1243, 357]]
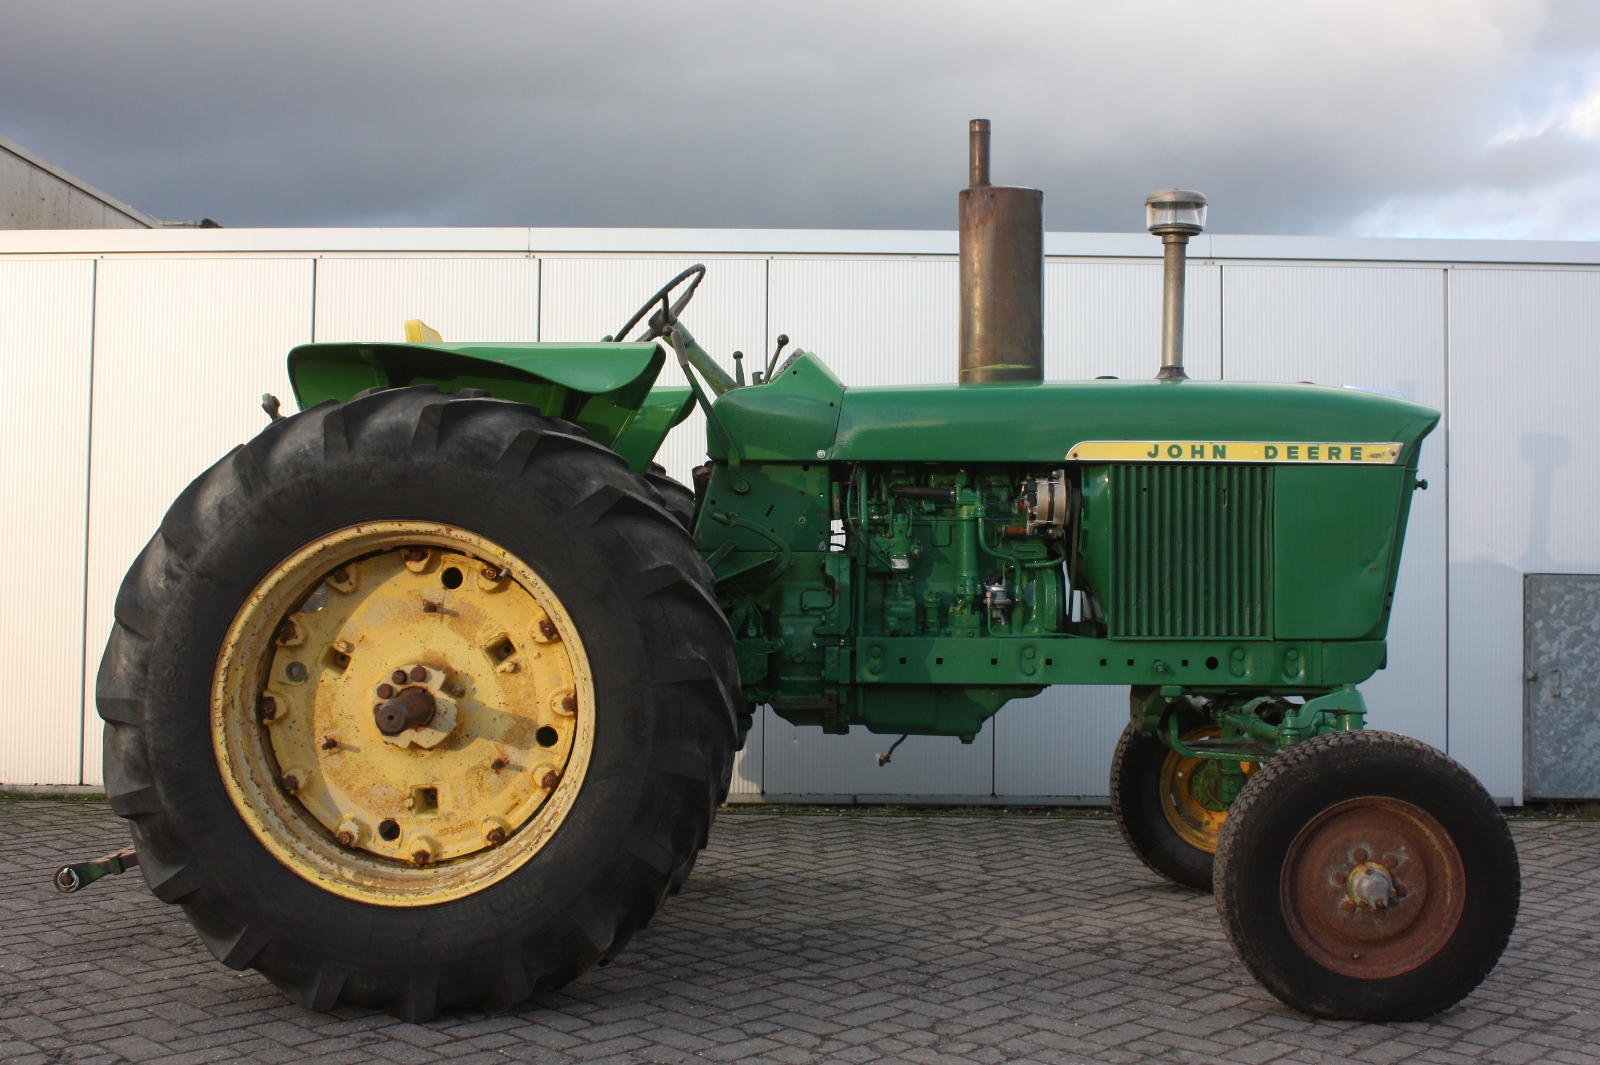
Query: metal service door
[[1562, 685]]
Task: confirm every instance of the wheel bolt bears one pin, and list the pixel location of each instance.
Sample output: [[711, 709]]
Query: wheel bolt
[[418, 674], [495, 835], [291, 783], [456, 690], [415, 554], [386, 691], [490, 573], [288, 632], [570, 704], [340, 576], [399, 676], [547, 629], [269, 708], [550, 779]]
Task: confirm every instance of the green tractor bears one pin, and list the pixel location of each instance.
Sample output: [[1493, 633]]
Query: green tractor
[[426, 697]]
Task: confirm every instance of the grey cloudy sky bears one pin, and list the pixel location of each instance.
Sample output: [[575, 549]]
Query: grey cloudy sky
[[1384, 117]]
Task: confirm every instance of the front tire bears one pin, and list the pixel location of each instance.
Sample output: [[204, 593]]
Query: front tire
[[1166, 805], [603, 622], [1367, 876]]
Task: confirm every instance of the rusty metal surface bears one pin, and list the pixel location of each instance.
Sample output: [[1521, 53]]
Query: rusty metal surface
[[1373, 887], [1561, 689], [1002, 275], [446, 805]]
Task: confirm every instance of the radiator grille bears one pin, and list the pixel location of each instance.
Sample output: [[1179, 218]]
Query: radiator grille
[[1191, 551]]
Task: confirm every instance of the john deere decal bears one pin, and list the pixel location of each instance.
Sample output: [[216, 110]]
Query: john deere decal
[[1233, 451]]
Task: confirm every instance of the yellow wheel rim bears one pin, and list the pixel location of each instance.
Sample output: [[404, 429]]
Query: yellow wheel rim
[[435, 617], [1187, 797]]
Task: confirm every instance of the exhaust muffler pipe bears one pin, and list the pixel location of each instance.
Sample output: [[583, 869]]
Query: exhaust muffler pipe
[[1002, 274], [1174, 215]]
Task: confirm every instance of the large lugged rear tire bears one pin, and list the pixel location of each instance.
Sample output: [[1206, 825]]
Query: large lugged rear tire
[[1367, 876], [590, 720]]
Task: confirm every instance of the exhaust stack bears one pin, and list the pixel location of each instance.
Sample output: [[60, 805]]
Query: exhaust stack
[[1002, 274], [1174, 215]]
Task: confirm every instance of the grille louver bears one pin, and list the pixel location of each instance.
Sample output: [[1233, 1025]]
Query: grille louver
[[1191, 551]]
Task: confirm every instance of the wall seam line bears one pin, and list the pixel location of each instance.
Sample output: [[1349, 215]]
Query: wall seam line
[[88, 498]]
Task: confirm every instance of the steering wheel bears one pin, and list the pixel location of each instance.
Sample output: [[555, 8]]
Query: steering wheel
[[667, 317]]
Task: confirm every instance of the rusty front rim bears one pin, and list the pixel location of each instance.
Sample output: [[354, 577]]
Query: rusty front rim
[[403, 713], [1373, 887], [1190, 797]]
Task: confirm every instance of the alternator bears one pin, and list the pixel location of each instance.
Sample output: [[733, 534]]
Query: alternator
[[1049, 504]]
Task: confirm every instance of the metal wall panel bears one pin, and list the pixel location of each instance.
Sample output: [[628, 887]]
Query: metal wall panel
[[488, 300], [1561, 661], [1058, 744], [184, 348], [1104, 319], [46, 338], [1374, 327], [872, 321], [588, 298], [1525, 450], [806, 762]]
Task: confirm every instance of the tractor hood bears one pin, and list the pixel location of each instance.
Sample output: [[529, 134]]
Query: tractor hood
[[807, 414]]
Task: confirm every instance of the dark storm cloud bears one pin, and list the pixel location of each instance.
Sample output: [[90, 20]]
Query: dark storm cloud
[[1432, 115]]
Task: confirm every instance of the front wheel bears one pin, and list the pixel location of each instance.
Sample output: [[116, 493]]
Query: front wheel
[[1170, 809], [1367, 876]]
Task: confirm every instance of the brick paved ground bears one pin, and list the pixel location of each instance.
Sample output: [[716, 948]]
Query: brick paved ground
[[802, 939]]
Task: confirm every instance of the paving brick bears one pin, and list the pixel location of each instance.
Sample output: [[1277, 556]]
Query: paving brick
[[803, 940]]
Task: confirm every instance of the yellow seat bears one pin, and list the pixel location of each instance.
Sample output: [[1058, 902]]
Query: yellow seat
[[418, 333]]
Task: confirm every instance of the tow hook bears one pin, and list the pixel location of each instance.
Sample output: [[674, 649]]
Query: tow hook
[[70, 878]]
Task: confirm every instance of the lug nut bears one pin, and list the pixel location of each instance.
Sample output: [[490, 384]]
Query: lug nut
[[569, 705], [547, 629], [349, 833], [490, 573], [494, 831], [291, 783], [340, 576], [456, 690], [386, 691], [418, 674], [415, 554], [398, 676], [288, 632], [549, 780], [269, 708]]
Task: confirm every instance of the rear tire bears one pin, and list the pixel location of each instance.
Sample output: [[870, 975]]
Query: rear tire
[[666, 715], [677, 498], [1367, 876]]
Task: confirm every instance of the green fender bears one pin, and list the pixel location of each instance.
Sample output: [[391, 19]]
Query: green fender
[[608, 389]]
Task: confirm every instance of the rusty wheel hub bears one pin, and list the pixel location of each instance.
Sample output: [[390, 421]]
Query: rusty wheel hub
[[402, 712], [1373, 887]]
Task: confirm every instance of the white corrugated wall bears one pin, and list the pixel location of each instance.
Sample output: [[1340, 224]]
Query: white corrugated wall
[[123, 375]]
